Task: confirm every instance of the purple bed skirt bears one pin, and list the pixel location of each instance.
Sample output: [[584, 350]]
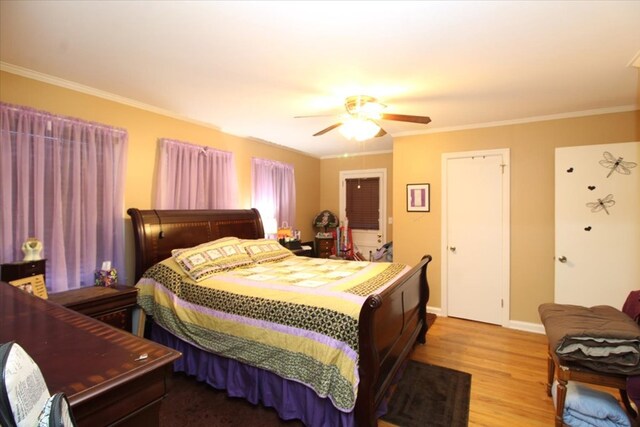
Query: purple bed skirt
[[290, 399]]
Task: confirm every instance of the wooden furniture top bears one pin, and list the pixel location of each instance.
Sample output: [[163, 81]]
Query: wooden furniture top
[[90, 294], [77, 355]]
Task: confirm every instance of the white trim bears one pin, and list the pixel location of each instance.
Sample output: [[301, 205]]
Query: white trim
[[570, 115], [365, 153], [506, 228], [88, 90], [435, 310], [366, 173], [536, 328]]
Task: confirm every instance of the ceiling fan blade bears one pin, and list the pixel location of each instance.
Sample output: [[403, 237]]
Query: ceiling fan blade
[[380, 133], [323, 131], [406, 118]]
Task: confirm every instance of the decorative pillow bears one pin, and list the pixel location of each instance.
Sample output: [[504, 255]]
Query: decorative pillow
[[266, 250], [204, 260]]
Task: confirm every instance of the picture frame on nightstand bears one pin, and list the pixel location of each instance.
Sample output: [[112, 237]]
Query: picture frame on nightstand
[[33, 285]]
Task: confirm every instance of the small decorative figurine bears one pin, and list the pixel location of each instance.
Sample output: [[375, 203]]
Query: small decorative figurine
[[32, 249]]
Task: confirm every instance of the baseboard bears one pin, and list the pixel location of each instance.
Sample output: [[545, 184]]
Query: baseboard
[[536, 328], [434, 310]]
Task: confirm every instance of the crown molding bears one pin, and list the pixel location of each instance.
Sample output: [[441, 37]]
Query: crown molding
[[364, 153], [67, 84], [595, 112]]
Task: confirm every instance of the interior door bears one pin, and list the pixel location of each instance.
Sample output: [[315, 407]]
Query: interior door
[[597, 223], [367, 240], [475, 236]]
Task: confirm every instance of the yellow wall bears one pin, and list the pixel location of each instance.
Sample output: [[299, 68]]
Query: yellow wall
[[638, 111], [532, 147], [330, 180], [416, 159], [145, 128]]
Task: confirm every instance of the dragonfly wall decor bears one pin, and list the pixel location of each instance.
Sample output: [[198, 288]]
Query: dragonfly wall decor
[[602, 204], [617, 165]]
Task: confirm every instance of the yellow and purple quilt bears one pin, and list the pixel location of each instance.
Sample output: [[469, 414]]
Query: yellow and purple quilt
[[297, 317]]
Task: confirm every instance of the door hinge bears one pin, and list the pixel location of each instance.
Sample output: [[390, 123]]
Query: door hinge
[[501, 303], [503, 166]]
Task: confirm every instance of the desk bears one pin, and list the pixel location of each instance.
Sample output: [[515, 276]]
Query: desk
[[93, 363]]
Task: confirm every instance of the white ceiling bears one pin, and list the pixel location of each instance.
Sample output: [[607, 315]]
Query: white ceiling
[[248, 68]]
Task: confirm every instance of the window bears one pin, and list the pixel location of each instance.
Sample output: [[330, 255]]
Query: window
[[62, 183], [195, 177], [274, 191], [362, 203]]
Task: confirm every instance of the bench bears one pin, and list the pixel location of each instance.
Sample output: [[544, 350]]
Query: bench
[[585, 345]]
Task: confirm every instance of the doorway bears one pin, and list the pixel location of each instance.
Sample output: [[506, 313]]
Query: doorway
[[475, 235], [368, 230], [597, 235]]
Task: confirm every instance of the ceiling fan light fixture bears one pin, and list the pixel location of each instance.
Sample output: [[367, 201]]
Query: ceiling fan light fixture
[[359, 129], [372, 110]]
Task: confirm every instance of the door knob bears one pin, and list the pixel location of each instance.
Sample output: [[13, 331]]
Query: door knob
[[562, 259], [452, 248]]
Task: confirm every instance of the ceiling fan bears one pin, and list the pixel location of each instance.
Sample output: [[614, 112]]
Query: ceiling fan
[[360, 122]]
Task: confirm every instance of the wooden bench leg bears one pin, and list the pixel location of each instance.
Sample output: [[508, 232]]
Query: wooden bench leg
[[627, 404], [551, 369], [561, 394]]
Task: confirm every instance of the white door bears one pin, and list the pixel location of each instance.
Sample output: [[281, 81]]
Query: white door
[[367, 241], [597, 224], [476, 235]]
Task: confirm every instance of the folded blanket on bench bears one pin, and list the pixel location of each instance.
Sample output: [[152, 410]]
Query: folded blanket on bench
[[587, 407], [601, 338]]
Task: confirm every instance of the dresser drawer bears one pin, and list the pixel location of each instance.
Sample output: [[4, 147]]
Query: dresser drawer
[[20, 270], [324, 247]]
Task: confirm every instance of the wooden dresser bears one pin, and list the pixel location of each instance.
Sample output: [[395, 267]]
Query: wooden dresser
[[324, 246], [98, 367]]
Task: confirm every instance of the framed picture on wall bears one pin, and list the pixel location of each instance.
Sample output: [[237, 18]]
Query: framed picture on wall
[[417, 197]]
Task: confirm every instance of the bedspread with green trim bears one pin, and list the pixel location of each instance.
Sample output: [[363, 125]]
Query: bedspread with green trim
[[297, 317]]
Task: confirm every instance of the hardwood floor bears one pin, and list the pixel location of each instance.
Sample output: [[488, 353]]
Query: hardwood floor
[[508, 369]]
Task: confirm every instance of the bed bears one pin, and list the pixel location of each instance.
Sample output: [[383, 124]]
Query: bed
[[389, 322]]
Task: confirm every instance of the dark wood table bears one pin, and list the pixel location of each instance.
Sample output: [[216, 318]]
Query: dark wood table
[[98, 366]]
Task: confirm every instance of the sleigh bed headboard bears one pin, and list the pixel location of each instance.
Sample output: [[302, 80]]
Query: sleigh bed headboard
[[157, 232]]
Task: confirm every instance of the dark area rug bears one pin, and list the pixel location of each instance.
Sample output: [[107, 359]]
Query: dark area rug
[[193, 404], [430, 396]]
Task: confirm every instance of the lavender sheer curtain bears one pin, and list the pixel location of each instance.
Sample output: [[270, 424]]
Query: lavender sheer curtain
[[195, 177], [274, 190], [62, 183]]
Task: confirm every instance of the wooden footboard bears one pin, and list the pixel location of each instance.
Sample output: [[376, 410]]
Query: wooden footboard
[[390, 324]]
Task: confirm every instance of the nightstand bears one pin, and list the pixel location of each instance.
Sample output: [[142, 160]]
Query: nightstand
[[19, 270], [324, 246], [113, 306]]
